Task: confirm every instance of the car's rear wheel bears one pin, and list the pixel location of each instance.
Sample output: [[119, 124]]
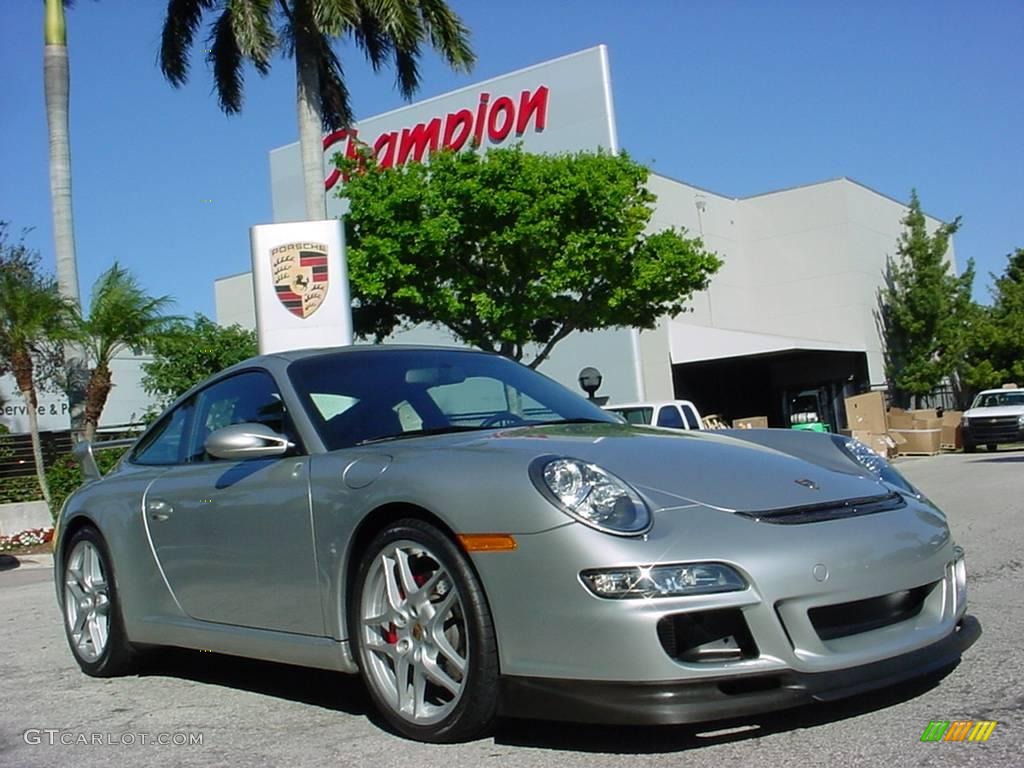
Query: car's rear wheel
[[423, 635], [92, 616]]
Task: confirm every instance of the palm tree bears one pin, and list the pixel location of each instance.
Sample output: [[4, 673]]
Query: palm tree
[[56, 87], [33, 315], [121, 316], [244, 31]]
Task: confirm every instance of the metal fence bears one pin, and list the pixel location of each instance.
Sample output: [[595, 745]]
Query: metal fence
[[16, 458]]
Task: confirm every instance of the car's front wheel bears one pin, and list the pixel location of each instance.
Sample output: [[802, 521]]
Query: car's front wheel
[[92, 616], [423, 635]]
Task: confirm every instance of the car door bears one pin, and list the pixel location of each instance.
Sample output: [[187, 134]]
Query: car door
[[234, 538]]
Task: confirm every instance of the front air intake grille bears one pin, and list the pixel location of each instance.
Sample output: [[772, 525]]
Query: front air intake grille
[[817, 513], [845, 619], [702, 637], [996, 429]]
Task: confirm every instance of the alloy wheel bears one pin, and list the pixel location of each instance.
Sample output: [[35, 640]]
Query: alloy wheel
[[86, 601], [414, 632]]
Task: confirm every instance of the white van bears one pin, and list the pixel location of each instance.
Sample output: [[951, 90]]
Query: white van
[[677, 414]]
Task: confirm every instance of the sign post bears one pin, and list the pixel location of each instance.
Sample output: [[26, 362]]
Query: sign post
[[300, 278]]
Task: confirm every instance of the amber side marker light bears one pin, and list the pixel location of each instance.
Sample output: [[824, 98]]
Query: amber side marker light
[[487, 542]]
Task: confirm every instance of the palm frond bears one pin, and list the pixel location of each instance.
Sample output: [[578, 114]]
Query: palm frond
[[334, 96], [180, 26], [253, 29], [226, 58], [122, 316], [448, 35]]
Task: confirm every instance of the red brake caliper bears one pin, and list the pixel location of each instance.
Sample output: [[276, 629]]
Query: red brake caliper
[[391, 635]]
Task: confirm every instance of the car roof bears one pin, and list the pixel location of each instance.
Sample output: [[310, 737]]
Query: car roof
[[1000, 390], [292, 355]]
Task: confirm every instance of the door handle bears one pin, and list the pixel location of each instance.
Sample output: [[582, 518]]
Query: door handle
[[158, 509]]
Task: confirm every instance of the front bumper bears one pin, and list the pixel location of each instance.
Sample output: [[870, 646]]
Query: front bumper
[[716, 698]]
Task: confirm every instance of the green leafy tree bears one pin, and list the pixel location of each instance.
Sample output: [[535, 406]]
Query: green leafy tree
[[924, 308], [33, 317], [189, 352], [995, 354], [121, 316], [513, 251], [305, 30]]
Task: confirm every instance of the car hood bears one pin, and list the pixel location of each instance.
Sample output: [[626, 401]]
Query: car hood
[[999, 410], [677, 468]]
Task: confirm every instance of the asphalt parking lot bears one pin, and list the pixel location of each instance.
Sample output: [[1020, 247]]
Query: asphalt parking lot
[[263, 714]]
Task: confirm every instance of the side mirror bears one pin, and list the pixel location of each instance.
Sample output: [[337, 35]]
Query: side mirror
[[246, 441]]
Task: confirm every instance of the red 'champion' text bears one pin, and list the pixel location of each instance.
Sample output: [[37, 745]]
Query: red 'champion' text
[[494, 120]]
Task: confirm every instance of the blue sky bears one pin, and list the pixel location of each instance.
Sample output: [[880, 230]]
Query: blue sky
[[737, 97]]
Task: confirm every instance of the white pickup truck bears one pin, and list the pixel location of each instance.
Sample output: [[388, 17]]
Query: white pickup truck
[[677, 414], [996, 417]]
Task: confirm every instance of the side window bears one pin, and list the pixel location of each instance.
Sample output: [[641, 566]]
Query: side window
[[691, 417], [166, 443], [669, 416], [248, 397]]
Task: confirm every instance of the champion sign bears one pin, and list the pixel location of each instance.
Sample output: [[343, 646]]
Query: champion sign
[[493, 120]]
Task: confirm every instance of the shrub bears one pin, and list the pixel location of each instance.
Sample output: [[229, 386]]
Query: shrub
[[15, 489], [65, 475]]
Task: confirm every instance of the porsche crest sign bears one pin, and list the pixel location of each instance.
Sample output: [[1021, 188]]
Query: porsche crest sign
[[301, 276], [301, 285]]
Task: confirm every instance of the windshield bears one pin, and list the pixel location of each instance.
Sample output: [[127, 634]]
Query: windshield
[[359, 396], [638, 415], [996, 399]]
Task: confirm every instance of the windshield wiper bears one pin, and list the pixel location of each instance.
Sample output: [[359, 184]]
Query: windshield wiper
[[579, 420], [451, 428]]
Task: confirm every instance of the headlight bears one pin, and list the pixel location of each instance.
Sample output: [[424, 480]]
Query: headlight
[[591, 495], [965, 421], [1020, 420], [662, 581], [873, 463]]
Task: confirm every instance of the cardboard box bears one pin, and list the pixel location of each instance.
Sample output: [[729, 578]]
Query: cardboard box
[[928, 423], [751, 422], [918, 441], [900, 419], [866, 413], [952, 435]]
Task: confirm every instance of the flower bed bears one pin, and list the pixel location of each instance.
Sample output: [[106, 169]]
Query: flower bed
[[37, 538]]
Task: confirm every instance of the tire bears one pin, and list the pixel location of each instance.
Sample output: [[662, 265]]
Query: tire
[[970, 447], [92, 614], [992, 447], [418, 613]]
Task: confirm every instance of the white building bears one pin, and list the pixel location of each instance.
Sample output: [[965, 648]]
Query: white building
[[791, 312]]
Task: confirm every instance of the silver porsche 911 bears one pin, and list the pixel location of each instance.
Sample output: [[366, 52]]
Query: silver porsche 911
[[477, 541]]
